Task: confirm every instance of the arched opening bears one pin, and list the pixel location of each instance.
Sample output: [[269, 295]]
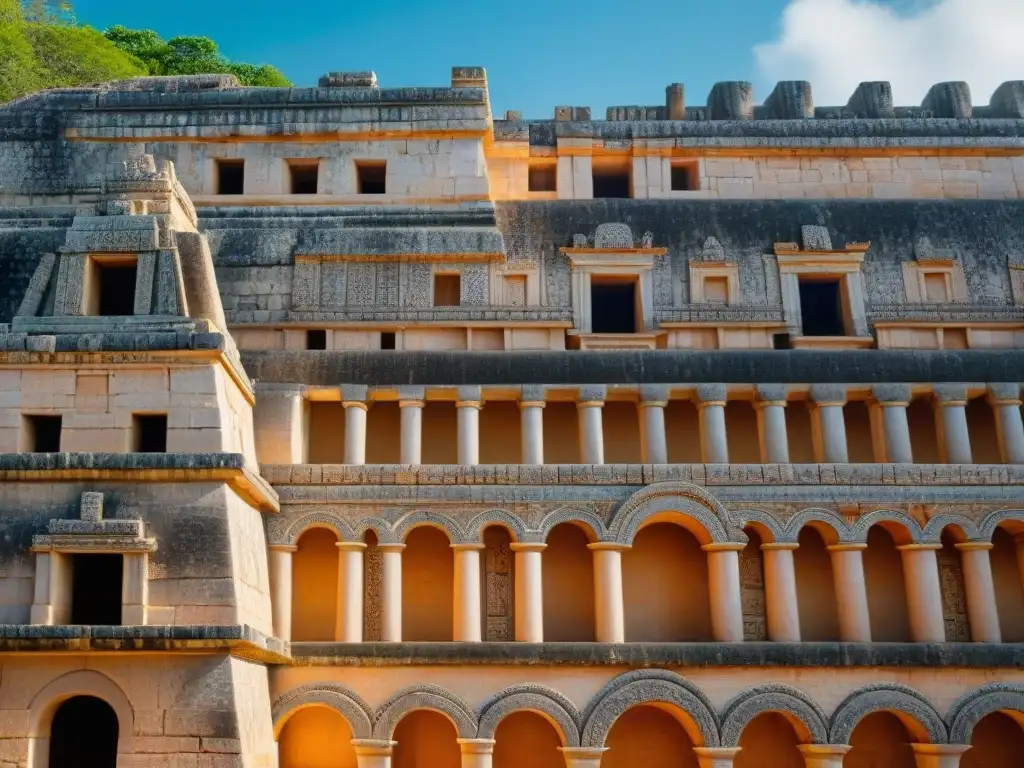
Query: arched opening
[[752, 594], [650, 736], [315, 586], [887, 595], [84, 734], [498, 588], [1006, 576], [568, 586], [527, 740], [769, 741], [373, 585], [665, 554], [316, 737], [951, 581], [996, 742], [815, 587], [880, 740], [428, 585], [426, 739]]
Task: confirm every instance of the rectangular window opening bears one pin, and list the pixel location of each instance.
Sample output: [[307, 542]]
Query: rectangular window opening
[[684, 178], [96, 589], [611, 181], [542, 178], [821, 307], [316, 339], [149, 432], [935, 288], [613, 306], [112, 289], [447, 290], [781, 341], [304, 178], [230, 177], [371, 178], [42, 433], [387, 340], [716, 290]]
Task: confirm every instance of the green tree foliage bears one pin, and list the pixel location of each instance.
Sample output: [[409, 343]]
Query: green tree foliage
[[189, 55]]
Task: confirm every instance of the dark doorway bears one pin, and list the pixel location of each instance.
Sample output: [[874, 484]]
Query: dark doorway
[[305, 178], [230, 177], [610, 182], [42, 433], [84, 734], [613, 307], [96, 589], [150, 432], [116, 288], [821, 307]]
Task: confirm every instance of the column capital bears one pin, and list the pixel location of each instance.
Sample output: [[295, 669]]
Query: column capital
[[531, 404], [770, 394], [476, 746], [411, 403], [710, 394], [652, 404], [827, 394], [590, 404], [824, 750], [477, 404], [950, 394], [847, 546], [375, 747], [469, 393], [355, 404], [716, 757], [608, 546], [779, 546], [412, 394], [940, 749], [282, 548], [724, 546], [350, 546], [528, 546], [582, 753], [467, 546], [352, 393], [654, 394], [596, 393], [1004, 393], [975, 546], [919, 547], [891, 394], [533, 393], [393, 546]]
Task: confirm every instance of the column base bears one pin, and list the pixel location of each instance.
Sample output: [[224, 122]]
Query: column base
[[938, 755], [716, 757], [582, 757]]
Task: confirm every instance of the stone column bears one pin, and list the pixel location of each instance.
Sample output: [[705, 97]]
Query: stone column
[[938, 755], [529, 587], [589, 405], [531, 414], [278, 424], [956, 442], [824, 755], [653, 400], [373, 753], [582, 757], [716, 757], [851, 592], [608, 604], [828, 423], [410, 404], [349, 627], [466, 613], [710, 400], [476, 753], [468, 406], [391, 592], [893, 399], [281, 589], [771, 423], [353, 399], [924, 593], [780, 592], [1005, 400], [134, 588], [724, 586], [979, 591]]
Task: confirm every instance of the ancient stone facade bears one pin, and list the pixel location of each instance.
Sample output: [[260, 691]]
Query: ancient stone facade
[[348, 427]]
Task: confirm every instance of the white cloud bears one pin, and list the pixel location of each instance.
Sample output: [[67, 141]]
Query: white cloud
[[836, 44]]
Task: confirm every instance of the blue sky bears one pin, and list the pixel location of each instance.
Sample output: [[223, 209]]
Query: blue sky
[[605, 52]]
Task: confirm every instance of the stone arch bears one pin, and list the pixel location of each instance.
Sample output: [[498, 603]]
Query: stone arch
[[768, 527], [892, 517], [328, 520], [932, 533], [339, 698], [911, 707], [424, 697], [712, 521], [589, 521], [553, 706], [474, 529], [993, 520], [381, 529], [649, 686], [819, 518], [795, 705], [451, 528], [969, 709], [83, 682]]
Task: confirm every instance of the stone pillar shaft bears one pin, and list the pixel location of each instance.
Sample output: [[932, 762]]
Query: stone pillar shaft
[[1010, 429], [532, 431], [897, 433], [832, 428], [529, 589], [979, 592], [924, 594], [391, 592], [956, 441], [582, 757], [412, 431], [134, 588], [851, 592], [772, 432], [652, 426], [349, 627], [714, 444], [469, 431], [355, 432], [591, 432], [608, 604], [281, 589], [780, 593], [476, 753], [724, 586], [467, 618]]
